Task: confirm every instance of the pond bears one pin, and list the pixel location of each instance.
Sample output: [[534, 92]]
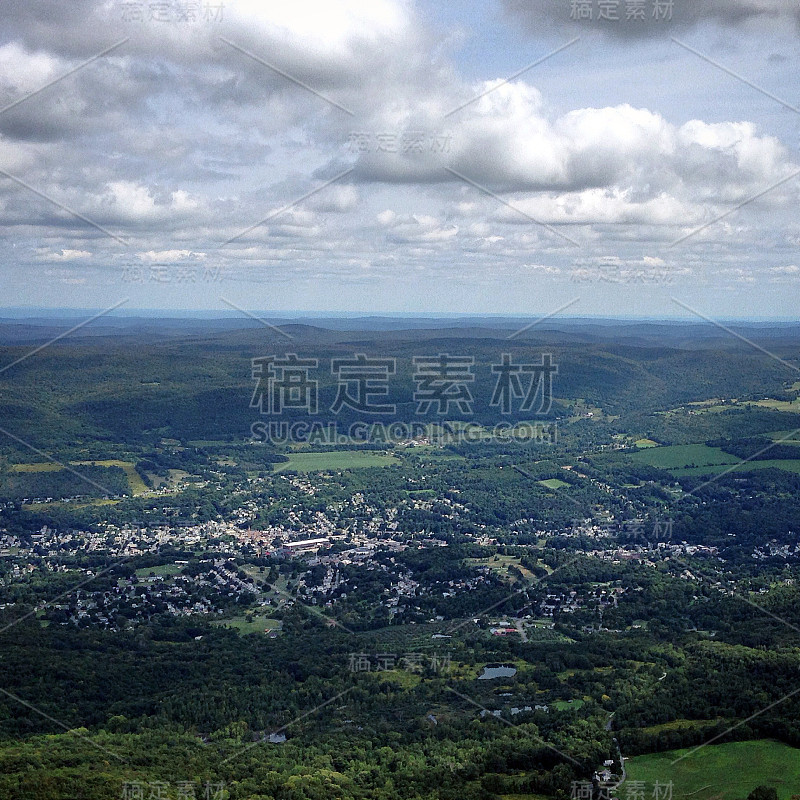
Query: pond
[[497, 671]]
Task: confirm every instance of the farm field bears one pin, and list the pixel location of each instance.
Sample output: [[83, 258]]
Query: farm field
[[787, 465], [683, 456], [698, 459], [721, 772]]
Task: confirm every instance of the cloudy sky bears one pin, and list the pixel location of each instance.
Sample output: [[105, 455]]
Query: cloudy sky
[[612, 157]]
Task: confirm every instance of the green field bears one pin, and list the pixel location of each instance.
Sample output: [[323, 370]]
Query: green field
[[787, 465], [716, 407], [161, 571], [258, 625], [698, 459], [721, 772], [39, 466], [336, 460], [554, 483], [681, 456], [645, 443], [566, 705], [777, 405], [58, 504], [501, 566]]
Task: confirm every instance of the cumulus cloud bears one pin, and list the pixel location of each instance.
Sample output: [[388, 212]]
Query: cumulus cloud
[[593, 165], [179, 141], [420, 229], [65, 255]]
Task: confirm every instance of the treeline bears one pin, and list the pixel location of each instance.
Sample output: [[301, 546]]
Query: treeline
[[756, 447], [84, 481]]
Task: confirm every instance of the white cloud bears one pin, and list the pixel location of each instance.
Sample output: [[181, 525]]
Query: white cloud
[[22, 71], [170, 256], [65, 255], [792, 269], [179, 142], [420, 229], [607, 165], [336, 199]]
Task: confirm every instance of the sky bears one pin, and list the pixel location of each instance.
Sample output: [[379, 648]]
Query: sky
[[536, 157]]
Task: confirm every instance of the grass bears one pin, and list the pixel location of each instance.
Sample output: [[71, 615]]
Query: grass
[[258, 625], [698, 459], [777, 405], [43, 466], [60, 504], [683, 456], [645, 443], [554, 483], [501, 565], [767, 402], [161, 571], [787, 465], [336, 460], [566, 705], [721, 772], [398, 675]]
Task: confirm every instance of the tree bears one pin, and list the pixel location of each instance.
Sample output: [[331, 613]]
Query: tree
[[763, 793]]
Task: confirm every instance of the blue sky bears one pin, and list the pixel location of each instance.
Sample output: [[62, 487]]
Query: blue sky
[[310, 156]]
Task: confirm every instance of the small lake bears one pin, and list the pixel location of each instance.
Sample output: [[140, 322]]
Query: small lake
[[497, 671]]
